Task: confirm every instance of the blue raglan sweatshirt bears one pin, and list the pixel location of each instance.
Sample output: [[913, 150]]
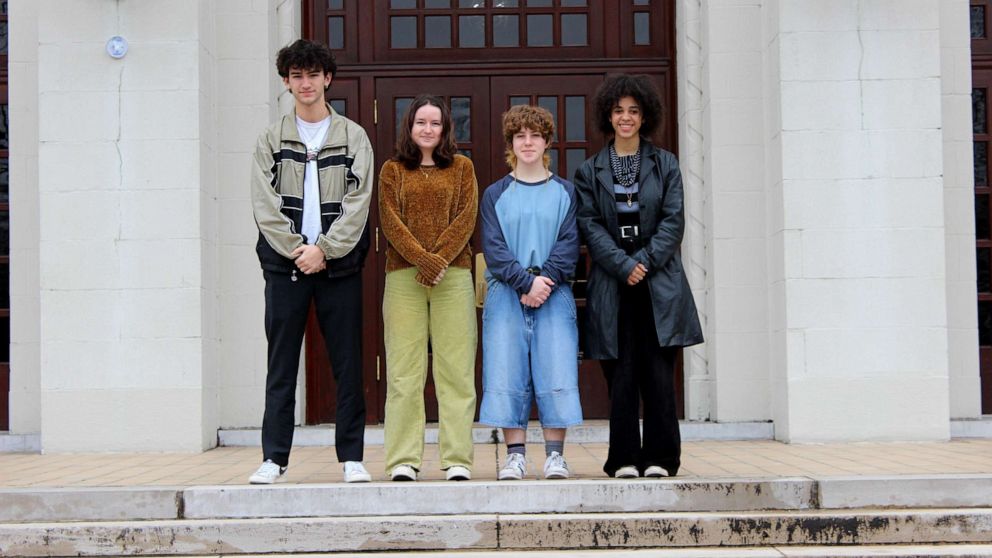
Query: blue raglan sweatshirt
[[527, 225]]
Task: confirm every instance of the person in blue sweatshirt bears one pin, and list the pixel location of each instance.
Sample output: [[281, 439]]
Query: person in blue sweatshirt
[[530, 338]]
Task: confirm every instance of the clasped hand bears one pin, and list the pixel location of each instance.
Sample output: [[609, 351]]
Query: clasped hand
[[309, 258], [540, 290]]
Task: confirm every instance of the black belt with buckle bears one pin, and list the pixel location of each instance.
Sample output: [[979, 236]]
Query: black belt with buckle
[[630, 232], [533, 270]]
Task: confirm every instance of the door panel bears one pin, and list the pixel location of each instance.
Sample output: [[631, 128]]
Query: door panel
[[321, 389], [980, 98], [468, 98]]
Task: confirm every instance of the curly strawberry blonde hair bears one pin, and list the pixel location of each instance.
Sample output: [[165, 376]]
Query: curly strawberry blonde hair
[[536, 119]]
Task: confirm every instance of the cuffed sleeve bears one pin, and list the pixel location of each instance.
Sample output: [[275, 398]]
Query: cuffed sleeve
[[267, 203]]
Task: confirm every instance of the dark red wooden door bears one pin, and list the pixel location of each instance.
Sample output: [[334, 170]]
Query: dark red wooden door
[[482, 56], [981, 81], [468, 100]]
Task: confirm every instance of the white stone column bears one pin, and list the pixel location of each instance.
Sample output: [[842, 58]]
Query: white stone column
[[127, 226], [25, 323], [959, 209], [857, 231], [733, 178], [247, 43]]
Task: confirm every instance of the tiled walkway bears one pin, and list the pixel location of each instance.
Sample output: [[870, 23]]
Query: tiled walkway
[[319, 465]]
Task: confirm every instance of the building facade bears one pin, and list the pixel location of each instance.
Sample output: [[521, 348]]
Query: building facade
[[826, 148]]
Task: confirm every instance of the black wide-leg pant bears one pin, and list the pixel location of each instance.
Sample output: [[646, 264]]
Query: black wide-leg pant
[[643, 371], [338, 302]]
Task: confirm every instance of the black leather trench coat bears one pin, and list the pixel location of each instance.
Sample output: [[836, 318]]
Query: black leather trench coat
[[662, 224]]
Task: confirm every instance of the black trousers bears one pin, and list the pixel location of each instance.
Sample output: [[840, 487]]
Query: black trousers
[[338, 303], [643, 371]]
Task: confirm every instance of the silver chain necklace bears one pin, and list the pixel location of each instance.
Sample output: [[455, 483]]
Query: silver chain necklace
[[626, 174]]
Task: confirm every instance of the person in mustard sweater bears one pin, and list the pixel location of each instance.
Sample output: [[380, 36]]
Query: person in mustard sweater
[[428, 202]]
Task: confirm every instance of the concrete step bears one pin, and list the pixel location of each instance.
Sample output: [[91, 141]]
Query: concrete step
[[591, 431], [502, 532], [488, 497], [875, 551]]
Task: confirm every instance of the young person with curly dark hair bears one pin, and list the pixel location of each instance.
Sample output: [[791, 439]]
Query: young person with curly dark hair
[[530, 339], [311, 184], [428, 201], [639, 308]]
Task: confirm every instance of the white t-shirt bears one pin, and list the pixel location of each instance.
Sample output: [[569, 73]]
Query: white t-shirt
[[313, 135]]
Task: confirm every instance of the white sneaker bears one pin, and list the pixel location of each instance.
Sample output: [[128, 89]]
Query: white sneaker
[[458, 473], [354, 471], [555, 466], [404, 473], [655, 471], [268, 473], [515, 468], [627, 472]]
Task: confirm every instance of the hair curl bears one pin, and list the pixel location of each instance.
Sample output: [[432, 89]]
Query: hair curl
[[536, 119], [408, 152], [306, 56], [641, 89]]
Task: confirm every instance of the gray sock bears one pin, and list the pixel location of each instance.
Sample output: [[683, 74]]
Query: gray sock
[[516, 448], [558, 446]]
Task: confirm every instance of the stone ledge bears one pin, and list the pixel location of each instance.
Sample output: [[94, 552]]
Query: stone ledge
[[578, 496], [596, 431], [504, 532], [89, 504], [918, 491]]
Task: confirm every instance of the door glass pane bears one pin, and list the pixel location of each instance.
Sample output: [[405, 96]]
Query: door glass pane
[[573, 158], [3, 37], [979, 118], [978, 22], [642, 28], [981, 163], [335, 4], [575, 118], [514, 101], [472, 4], [4, 233], [466, 152], [437, 32], [506, 30], [573, 30], [403, 32], [539, 3], [554, 160], [505, 3], [400, 105], [461, 117], [573, 3], [984, 269], [539, 30], [550, 103], [4, 180], [4, 135], [402, 4], [984, 323], [335, 32], [982, 217], [340, 106], [4, 285], [440, 4], [642, 2], [472, 31]]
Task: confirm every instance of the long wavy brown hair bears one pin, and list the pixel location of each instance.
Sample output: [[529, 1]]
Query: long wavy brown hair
[[408, 153]]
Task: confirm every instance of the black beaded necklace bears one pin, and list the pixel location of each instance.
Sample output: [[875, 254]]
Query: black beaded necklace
[[625, 170]]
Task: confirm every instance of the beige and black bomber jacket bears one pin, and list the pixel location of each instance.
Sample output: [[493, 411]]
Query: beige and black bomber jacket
[[344, 171]]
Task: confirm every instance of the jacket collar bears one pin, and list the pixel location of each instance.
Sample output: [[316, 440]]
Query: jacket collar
[[604, 172], [337, 133]]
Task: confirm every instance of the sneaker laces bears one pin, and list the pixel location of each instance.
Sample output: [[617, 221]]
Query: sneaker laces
[[517, 461]]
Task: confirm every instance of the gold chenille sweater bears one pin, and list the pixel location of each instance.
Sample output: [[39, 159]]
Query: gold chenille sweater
[[428, 220]]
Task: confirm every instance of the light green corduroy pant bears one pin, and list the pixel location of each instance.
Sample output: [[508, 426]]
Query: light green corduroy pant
[[446, 314]]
